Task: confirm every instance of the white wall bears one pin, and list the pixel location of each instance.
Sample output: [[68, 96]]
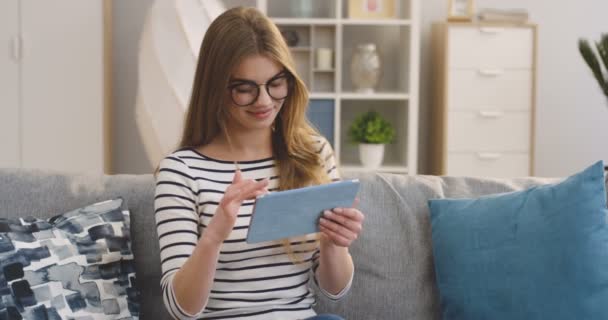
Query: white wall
[[128, 153], [572, 114]]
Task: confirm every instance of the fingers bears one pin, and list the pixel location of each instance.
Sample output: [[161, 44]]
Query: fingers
[[336, 237], [258, 188], [344, 214], [266, 183], [342, 225], [350, 219], [237, 176], [242, 190], [345, 230], [247, 189]]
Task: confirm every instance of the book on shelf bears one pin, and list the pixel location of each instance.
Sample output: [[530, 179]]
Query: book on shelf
[[504, 15]]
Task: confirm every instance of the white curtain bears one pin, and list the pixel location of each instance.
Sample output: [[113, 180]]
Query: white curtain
[[168, 51]]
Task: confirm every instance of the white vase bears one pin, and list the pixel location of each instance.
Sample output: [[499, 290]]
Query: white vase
[[371, 155], [365, 68]]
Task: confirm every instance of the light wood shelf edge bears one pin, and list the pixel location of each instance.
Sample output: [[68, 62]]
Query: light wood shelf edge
[[108, 92]]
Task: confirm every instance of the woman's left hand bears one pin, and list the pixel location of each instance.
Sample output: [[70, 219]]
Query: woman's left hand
[[341, 226]]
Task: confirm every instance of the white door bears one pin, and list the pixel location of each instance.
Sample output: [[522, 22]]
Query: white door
[[62, 77], [9, 84]]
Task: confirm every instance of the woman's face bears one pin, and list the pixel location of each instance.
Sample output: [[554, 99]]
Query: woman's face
[[261, 77]]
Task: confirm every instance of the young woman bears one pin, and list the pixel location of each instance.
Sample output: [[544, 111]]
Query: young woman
[[245, 134]]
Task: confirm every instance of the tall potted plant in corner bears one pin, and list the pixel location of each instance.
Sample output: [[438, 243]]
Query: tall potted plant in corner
[[595, 62], [371, 132]]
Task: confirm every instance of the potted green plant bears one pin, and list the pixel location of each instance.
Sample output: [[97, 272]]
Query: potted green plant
[[371, 131], [595, 62]]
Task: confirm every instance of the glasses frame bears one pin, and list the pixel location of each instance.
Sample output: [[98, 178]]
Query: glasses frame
[[237, 82]]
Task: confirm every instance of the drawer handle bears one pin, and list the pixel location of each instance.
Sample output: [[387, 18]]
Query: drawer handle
[[491, 72], [491, 30], [486, 156], [491, 114]]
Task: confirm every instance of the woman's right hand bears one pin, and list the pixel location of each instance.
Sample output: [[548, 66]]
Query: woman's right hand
[[225, 216]]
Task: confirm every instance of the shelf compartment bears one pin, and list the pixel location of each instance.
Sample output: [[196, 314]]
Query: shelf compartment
[[302, 8], [302, 60], [394, 111], [323, 82], [400, 9], [323, 75], [299, 48], [377, 22], [322, 95], [324, 37], [239, 3], [375, 96], [392, 43], [305, 21], [302, 42], [321, 113]]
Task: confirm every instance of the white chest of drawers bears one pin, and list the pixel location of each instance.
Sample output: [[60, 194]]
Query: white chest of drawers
[[483, 120]]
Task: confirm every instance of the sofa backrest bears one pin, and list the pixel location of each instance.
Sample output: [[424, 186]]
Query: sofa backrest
[[393, 256], [43, 194]]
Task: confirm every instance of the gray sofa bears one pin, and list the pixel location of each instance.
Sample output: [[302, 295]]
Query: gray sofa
[[393, 257]]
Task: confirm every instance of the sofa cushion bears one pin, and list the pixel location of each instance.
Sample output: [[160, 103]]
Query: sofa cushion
[[77, 263], [606, 179], [45, 193], [539, 253], [394, 271]]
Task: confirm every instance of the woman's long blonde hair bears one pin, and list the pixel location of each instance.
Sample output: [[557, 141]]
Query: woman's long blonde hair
[[236, 34]]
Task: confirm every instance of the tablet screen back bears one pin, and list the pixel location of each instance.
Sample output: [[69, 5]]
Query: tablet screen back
[[296, 212]]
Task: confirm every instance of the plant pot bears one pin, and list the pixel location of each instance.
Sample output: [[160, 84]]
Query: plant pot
[[371, 155]]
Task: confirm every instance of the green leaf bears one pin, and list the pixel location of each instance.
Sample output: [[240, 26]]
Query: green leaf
[[589, 55]]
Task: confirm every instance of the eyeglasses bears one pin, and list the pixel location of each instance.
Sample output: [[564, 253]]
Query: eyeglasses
[[246, 92]]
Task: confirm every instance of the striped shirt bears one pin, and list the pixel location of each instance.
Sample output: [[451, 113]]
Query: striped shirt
[[252, 281]]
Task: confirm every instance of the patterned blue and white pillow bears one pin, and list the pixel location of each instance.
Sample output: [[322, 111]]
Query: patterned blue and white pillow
[[77, 265]]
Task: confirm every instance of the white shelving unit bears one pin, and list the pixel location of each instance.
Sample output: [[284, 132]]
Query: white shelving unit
[[334, 101]]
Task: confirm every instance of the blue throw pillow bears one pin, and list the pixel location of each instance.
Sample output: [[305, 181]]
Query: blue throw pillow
[[77, 265], [540, 253]]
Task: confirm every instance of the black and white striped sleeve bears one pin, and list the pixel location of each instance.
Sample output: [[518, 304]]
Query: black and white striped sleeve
[[329, 162], [328, 159], [176, 224], [315, 283]]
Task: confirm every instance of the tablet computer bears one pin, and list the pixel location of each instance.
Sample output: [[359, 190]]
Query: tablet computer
[[296, 212]]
